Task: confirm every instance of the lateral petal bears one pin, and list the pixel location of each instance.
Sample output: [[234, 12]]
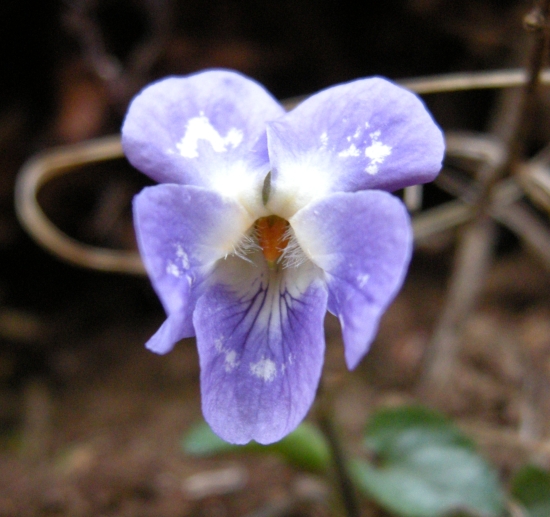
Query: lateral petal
[[181, 232], [205, 129], [363, 242], [366, 134], [261, 346]]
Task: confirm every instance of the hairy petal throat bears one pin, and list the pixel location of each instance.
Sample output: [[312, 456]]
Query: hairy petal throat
[[272, 234]]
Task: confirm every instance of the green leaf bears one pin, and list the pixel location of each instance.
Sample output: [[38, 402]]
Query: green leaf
[[531, 488], [304, 448], [397, 431], [201, 441], [425, 467]]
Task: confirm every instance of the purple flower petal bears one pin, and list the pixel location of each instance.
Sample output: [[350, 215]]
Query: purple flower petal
[[261, 346], [259, 328], [206, 129], [182, 231], [363, 242], [366, 134]]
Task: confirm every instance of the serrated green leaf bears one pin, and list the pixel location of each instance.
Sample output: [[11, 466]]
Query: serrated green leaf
[[425, 467], [304, 448], [531, 488]]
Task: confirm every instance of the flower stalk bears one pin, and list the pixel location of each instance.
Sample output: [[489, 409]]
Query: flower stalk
[[347, 503]]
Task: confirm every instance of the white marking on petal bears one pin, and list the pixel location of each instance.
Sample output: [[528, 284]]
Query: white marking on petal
[[362, 280], [234, 137], [324, 140], [218, 344], [357, 133], [180, 253], [288, 364], [172, 269], [377, 152], [200, 128], [264, 369], [231, 361], [350, 151]]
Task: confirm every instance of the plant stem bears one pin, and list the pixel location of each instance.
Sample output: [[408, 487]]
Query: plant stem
[[343, 482]]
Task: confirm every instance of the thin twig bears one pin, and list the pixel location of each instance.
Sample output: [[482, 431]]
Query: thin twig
[[43, 168], [122, 80], [471, 265], [461, 81], [541, 13], [475, 248], [456, 82]]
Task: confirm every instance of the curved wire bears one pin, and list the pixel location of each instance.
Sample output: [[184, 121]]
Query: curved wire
[[40, 169]]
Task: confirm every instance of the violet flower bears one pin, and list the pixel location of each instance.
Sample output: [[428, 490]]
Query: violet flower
[[263, 220]]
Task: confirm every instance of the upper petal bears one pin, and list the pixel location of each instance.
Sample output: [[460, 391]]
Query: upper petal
[[363, 242], [206, 129], [261, 345], [366, 134], [181, 232]]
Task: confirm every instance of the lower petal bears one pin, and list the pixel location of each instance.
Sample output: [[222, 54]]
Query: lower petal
[[261, 345], [176, 327], [181, 232], [363, 242]]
